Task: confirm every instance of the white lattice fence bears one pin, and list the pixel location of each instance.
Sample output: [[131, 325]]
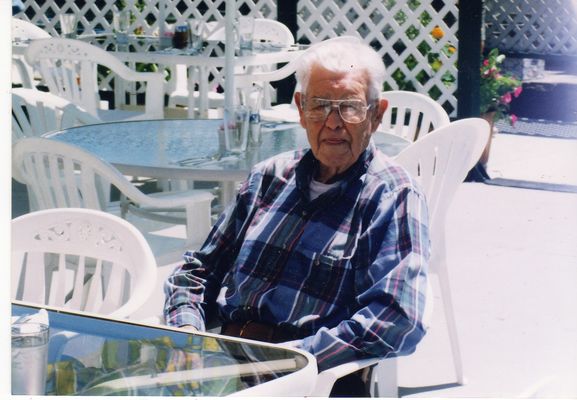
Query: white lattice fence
[[401, 32], [96, 16], [399, 29], [546, 27]]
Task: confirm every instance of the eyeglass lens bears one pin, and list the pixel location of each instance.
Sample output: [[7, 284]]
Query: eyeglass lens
[[351, 111]]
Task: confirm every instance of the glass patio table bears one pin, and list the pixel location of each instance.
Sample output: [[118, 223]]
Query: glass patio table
[[95, 355], [188, 149]]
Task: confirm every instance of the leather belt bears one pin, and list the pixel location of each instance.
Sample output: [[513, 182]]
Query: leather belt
[[259, 331]]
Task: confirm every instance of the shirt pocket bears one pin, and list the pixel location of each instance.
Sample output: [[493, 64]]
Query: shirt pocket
[[331, 279]]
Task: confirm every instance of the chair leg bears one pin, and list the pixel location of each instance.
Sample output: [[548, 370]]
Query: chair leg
[[449, 312], [385, 374]]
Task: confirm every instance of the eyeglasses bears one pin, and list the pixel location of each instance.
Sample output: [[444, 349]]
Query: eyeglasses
[[351, 111]]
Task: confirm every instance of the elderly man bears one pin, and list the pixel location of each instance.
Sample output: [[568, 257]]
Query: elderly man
[[325, 248]]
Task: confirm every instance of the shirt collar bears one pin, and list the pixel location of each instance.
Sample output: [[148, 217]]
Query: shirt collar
[[307, 166]]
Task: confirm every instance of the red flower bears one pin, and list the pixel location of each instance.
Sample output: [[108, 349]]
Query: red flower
[[506, 98], [518, 91], [513, 119]]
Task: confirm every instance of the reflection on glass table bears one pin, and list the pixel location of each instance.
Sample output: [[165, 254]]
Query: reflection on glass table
[[91, 355], [189, 149]]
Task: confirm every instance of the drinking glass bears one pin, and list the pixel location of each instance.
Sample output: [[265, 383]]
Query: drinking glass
[[29, 358], [245, 32], [121, 22], [196, 29], [236, 129], [68, 25], [180, 37]]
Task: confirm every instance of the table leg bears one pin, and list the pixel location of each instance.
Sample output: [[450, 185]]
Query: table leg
[[203, 93], [227, 192], [191, 86]]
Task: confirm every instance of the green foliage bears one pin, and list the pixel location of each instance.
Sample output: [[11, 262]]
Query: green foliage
[[496, 88]]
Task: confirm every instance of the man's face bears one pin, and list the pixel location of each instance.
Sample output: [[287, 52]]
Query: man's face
[[336, 143]]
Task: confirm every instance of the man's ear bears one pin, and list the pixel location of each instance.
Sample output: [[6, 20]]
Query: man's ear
[[379, 112], [298, 98]]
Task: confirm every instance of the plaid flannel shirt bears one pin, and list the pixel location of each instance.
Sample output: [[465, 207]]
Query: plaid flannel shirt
[[348, 269]]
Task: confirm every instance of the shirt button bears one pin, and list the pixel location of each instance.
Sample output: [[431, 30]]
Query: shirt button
[[304, 213]]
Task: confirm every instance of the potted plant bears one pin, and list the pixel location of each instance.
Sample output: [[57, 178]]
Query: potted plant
[[497, 90]]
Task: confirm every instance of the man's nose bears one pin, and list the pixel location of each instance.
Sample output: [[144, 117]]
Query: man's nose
[[334, 119]]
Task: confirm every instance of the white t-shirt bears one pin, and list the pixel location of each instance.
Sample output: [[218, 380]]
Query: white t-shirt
[[317, 188]]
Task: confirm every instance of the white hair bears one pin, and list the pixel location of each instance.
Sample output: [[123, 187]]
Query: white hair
[[344, 56]]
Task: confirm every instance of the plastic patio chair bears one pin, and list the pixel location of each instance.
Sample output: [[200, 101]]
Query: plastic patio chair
[[59, 175], [265, 30], [440, 162], [412, 115], [69, 69], [23, 31], [35, 113], [80, 259]]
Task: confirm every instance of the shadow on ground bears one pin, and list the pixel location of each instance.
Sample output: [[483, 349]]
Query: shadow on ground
[[407, 391]]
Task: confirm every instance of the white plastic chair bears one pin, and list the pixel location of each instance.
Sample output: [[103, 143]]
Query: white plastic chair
[[58, 174], [265, 30], [412, 115], [69, 69], [440, 162], [35, 113], [23, 31], [81, 259]]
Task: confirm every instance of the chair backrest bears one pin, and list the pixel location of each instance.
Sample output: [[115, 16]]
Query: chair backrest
[[265, 29], [35, 113], [441, 160], [70, 69], [81, 259], [270, 30], [23, 31], [59, 174], [412, 115]]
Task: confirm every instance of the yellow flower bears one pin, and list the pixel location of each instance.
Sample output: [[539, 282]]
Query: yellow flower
[[437, 32], [436, 65]]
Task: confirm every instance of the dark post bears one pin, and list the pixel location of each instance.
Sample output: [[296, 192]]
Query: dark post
[[287, 14], [470, 20]]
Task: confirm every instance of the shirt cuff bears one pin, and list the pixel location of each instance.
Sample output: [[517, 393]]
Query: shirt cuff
[[185, 317]]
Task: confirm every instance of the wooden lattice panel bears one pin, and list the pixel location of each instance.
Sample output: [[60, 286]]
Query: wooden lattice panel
[[401, 32], [547, 27]]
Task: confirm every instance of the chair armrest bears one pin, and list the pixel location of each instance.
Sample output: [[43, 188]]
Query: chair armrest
[[154, 103], [327, 378], [169, 199]]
